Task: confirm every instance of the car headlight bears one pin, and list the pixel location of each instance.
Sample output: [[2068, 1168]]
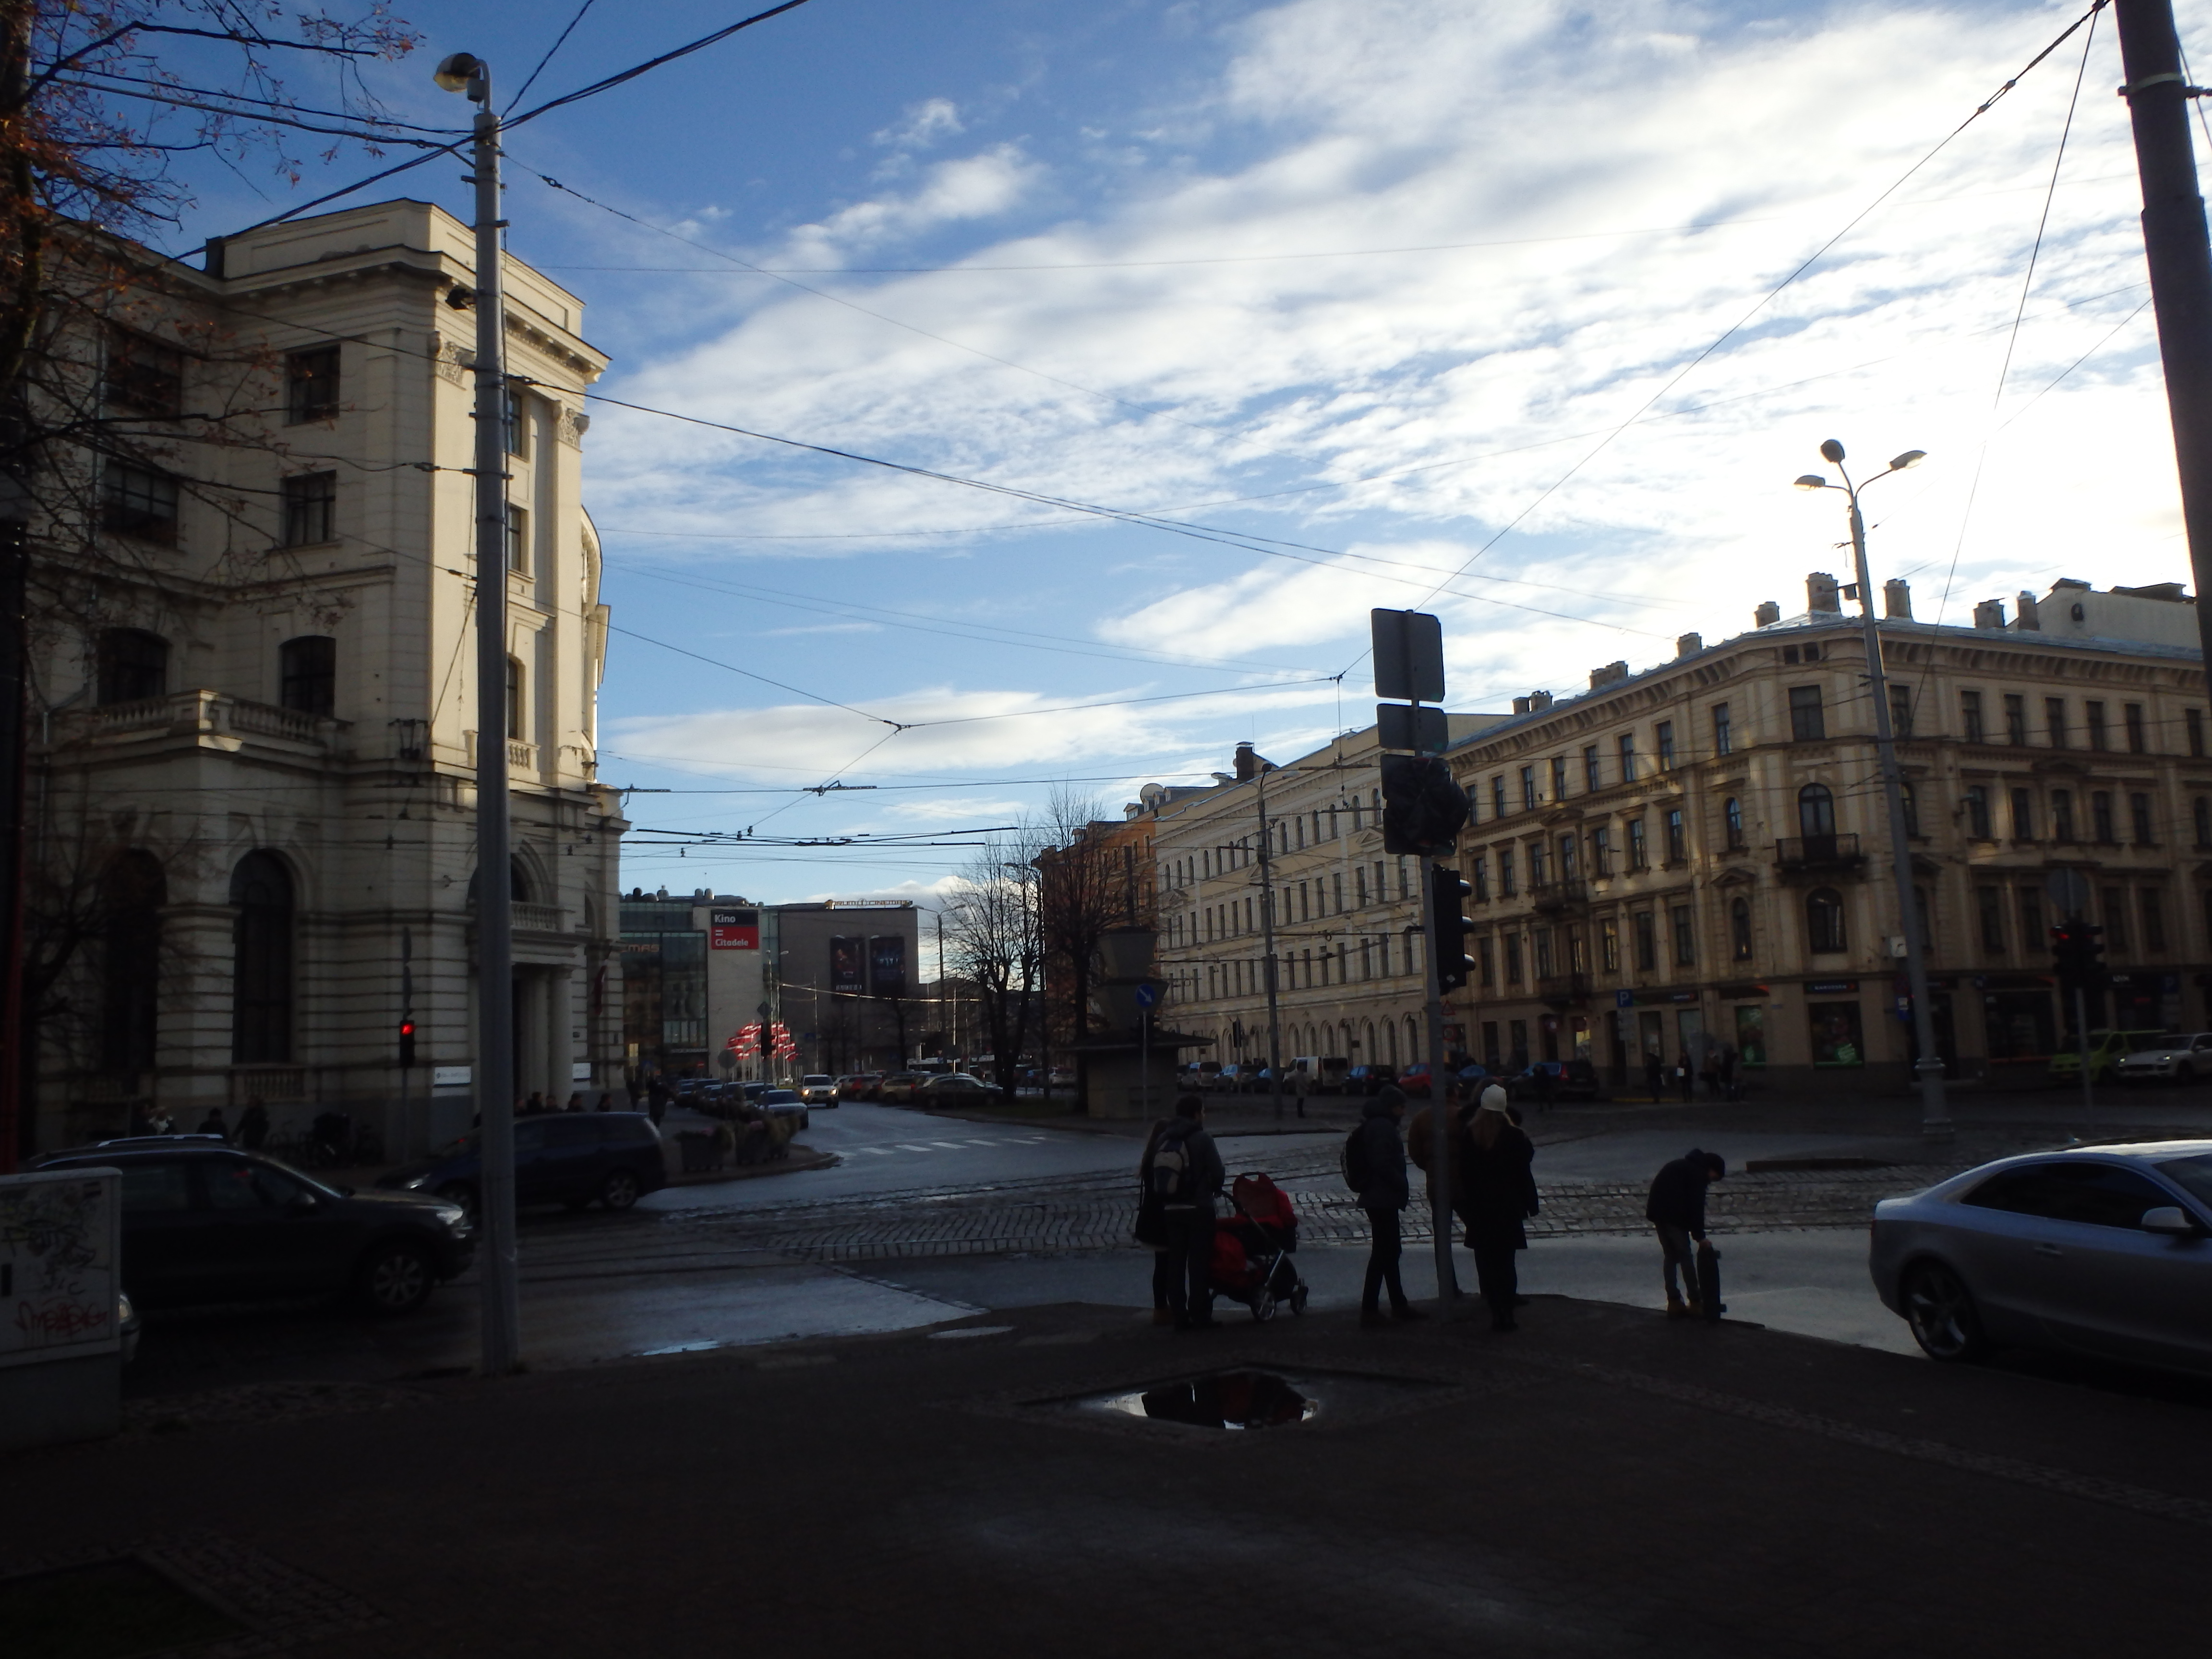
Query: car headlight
[[124, 1313], [454, 1217], [419, 1181]]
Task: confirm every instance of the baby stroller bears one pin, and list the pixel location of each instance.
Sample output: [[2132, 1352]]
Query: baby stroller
[[1252, 1248]]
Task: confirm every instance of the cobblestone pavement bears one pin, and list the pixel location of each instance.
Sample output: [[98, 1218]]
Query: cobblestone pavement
[[1088, 1212]]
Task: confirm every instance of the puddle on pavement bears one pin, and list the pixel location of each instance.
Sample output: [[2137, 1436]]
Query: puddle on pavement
[[1243, 1400]]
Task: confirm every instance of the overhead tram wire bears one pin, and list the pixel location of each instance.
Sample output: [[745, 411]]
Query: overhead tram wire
[[559, 41]]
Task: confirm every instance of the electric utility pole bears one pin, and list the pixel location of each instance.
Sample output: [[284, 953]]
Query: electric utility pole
[[1268, 944], [2180, 260], [494, 1067]]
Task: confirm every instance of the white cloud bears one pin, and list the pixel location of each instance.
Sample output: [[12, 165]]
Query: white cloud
[[923, 124]]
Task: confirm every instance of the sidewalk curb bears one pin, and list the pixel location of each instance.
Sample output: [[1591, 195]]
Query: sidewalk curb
[[800, 1159]]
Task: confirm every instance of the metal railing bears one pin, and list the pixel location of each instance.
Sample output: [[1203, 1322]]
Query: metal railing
[[203, 713], [1818, 852]]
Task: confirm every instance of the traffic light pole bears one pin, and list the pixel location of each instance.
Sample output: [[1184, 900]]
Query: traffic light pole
[[2082, 1036], [1440, 1113]]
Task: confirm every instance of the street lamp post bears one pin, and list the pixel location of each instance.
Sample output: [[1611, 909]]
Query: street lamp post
[[1935, 1114], [495, 1057]]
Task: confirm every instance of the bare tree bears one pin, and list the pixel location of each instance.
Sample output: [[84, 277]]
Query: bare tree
[[1085, 888], [991, 927]]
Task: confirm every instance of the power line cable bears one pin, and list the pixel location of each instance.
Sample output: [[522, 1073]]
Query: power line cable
[[559, 41]]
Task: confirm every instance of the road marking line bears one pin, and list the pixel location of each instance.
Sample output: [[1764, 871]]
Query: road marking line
[[909, 1146], [949, 1145]]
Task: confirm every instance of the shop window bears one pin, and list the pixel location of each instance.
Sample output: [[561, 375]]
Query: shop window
[[1751, 1035], [1837, 1037]]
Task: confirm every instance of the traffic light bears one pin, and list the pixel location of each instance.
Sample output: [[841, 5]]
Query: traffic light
[[2077, 951], [406, 1043], [1448, 927], [1422, 808]]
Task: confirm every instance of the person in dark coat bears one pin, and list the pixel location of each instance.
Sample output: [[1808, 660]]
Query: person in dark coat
[[1685, 1077], [1654, 1078], [1384, 1192], [254, 1125], [1501, 1194], [212, 1124], [1677, 1209], [1152, 1229], [1190, 1216]]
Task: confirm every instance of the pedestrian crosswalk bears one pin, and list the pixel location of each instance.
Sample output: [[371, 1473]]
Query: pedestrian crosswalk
[[930, 1147]]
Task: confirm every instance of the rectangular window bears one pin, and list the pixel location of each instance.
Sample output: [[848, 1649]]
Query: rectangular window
[[2061, 814], [1977, 812], [2200, 809], [1567, 858], [1970, 715], [307, 674], [311, 505], [1497, 796], [1647, 939], [1559, 777], [1665, 744], [1336, 882], [1355, 815], [2023, 815], [1479, 878], [518, 538], [1591, 779], [1628, 758], [1485, 959], [1359, 886], [2194, 719], [2031, 919], [1678, 843], [1722, 743], [2054, 720], [1608, 944], [2100, 816], [136, 500], [1506, 887], [2152, 903], [2093, 714], [1807, 724], [1992, 908], [2131, 716], [1686, 938], [2139, 811], [1900, 711], [1637, 860], [1513, 958], [143, 375], [1542, 938], [1528, 788], [1601, 851], [1540, 872], [311, 386], [2015, 720], [515, 424], [2116, 917]]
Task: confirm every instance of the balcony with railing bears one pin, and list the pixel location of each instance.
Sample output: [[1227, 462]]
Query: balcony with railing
[[1563, 987], [205, 714], [1567, 893], [1819, 852]]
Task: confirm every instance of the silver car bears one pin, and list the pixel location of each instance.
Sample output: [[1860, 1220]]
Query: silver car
[[2174, 1058], [2105, 1251]]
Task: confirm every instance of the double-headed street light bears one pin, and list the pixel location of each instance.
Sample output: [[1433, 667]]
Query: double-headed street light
[[1935, 1115]]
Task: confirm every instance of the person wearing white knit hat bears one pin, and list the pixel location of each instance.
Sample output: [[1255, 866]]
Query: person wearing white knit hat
[[1501, 1193]]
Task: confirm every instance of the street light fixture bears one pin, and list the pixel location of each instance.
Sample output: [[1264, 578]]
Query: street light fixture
[[494, 1075], [1935, 1114]]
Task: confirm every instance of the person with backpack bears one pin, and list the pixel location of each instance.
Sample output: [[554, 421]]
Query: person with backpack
[[1375, 1167], [1500, 1192], [1152, 1229], [1184, 1176], [1677, 1209]]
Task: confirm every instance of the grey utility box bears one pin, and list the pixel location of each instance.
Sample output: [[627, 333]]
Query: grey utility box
[[61, 1336]]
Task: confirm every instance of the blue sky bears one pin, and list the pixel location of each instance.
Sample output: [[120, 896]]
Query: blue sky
[[1415, 289]]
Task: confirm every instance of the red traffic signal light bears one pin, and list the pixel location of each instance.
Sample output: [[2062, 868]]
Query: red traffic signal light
[[406, 1042]]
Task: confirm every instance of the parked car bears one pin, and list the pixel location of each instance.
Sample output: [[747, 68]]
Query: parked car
[[2103, 1250], [898, 1089], [819, 1091], [1369, 1079], [574, 1159], [1564, 1079], [954, 1089], [2174, 1058], [1414, 1080], [208, 1224], [859, 1085], [784, 1103], [2106, 1050]]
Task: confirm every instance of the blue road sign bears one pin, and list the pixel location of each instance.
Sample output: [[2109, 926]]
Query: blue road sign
[[1624, 998], [1148, 996]]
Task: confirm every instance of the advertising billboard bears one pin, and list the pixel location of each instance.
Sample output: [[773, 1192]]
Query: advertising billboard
[[887, 965], [733, 930], [848, 967]]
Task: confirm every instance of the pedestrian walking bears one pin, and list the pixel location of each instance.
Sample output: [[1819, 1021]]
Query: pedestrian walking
[[1677, 1209], [1685, 1077], [212, 1124], [1186, 1175], [1709, 1073], [1151, 1227], [254, 1125], [1728, 1058], [1375, 1167], [1500, 1196], [576, 1102], [1654, 1076]]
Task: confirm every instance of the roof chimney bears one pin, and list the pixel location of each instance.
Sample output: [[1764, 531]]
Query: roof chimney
[[1990, 613], [1538, 702], [1520, 705], [1821, 593], [1897, 599], [1767, 615], [1689, 645], [1611, 674], [2030, 618], [1250, 763]]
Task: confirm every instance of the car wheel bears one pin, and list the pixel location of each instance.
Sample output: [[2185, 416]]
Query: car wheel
[[621, 1190], [395, 1279], [1940, 1311], [460, 1193]]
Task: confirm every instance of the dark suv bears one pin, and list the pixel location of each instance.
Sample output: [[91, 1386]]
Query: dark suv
[[563, 1157], [205, 1223]]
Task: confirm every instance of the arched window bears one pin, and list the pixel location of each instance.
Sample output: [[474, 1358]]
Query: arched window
[[132, 890], [1390, 1042], [1413, 1037], [1740, 929], [308, 673], [261, 963], [1732, 811], [516, 725], [132, 665], [1912, 814], [1816, 812], [1824, 919]]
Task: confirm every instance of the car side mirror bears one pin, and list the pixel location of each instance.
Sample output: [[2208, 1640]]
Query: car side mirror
[[2168, 1220], [302, 1204]]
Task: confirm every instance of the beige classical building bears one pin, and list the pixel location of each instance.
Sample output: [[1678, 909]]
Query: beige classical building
[[1346, 914], [256, 684], [1697, 855]]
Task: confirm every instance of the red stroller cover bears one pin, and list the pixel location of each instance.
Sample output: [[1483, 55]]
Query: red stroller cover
[[1230, 1266], [1265, 1202]]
